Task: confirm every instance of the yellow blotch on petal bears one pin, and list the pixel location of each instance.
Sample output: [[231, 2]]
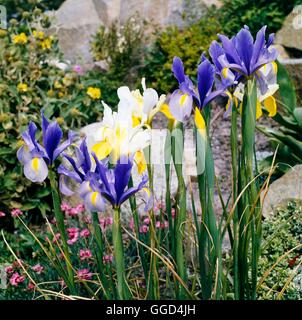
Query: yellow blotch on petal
[[166, 111], [35, 164], [140, 161], [271, 106], [102, 149], [93, 197], [275, 67], [199, 122], [183, 99], [136, 121], [225, 72], [258, 110], [147, 190]]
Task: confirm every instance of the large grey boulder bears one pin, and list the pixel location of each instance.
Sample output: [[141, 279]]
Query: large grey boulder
[[76, 21], [288, 187], [290, 35]]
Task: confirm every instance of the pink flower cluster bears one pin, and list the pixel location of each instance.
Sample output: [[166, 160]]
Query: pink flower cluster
[[146, 222], [9, 269], [16, 278], [162, 225], [16, 213], [56, 237], [104, 222], [107, 259], [38, 268], [2, 214], [85, 233], [84, 274], [73, 235], [70, 211], [78, 69], [85, 254]]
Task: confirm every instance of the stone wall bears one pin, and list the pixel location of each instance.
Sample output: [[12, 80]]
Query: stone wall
[[77, 20]]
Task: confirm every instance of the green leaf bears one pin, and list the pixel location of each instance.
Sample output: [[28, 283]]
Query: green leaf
[[43, 192], [298, 116]]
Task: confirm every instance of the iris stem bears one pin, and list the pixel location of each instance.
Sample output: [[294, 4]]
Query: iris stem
[[177, 154], [154, 285], [99, 251], [60, 222], [122, 288], [234, 146]]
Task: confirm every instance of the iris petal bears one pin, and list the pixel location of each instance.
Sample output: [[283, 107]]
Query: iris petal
[[36, 170]]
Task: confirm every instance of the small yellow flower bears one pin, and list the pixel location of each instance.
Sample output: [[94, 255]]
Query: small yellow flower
[[57, 85], [22, 87], [46, 44], [61, 94], [20, 143], [50, 93], [60, 120], [38, 34], [20, 38], [94, 93]]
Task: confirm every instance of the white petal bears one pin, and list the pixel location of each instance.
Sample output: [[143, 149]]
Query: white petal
[[150, 99]]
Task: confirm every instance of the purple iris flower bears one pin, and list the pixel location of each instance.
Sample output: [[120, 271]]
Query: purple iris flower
[[244, 55], [95, 184], [206, 79], [182, 99], [113, 183], [77, 173], [35, 157]]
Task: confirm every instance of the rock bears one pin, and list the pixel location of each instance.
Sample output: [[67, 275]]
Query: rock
[[283, 54], [294, 69], [290, 35], [76, 21], [288, 187]]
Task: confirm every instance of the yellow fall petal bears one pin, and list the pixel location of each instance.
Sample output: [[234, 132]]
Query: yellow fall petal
[[271, 106], [228, 104], [140, 161], [200, 123], [258, 110], [102, 149], [136, 121], [275, 67], [166, 111]]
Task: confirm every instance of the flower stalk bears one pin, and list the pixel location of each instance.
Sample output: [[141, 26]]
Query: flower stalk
[[180, 219], [60, 221], [122, 287]]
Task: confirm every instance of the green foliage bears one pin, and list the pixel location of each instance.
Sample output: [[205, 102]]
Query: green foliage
[[256, 13], [30, 80], [121, 49], [281, 233], [16, 8], [188, 44], [288, 136]]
